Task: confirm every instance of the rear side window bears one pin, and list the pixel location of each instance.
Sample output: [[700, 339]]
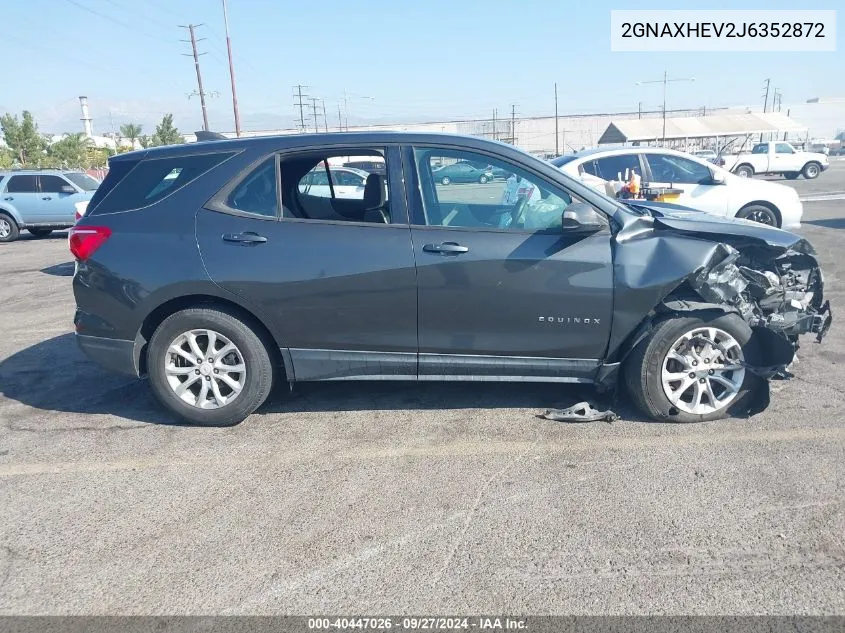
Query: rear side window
[[52, 184], [22, 184], [150, 181]]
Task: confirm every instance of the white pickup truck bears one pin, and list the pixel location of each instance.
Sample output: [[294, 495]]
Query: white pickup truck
[[776, 157]]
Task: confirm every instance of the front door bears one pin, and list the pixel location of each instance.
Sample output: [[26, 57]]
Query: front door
[[337, 282], [694, 179], [56, 200], [504, 291]]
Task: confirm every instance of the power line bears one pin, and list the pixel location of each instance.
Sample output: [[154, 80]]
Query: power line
[[125, 25]]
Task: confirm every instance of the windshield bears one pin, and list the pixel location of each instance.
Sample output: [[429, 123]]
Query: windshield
[[562, 160], [83, 181]]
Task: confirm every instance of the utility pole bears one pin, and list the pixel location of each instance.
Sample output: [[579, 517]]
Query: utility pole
[[665, 81], [495, 128], [339, 119], [639, 109], [313, 107], [325, 120], [299, 102], [557, 134], [765, 102], [513, 124], [232, 73], [196, 55]]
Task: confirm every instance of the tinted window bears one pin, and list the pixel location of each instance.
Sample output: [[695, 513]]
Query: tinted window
[[83, 181], [52, 184], [153, 180], [665, 168], [258, 192], [613, 167], [22, 184], [783, 148]]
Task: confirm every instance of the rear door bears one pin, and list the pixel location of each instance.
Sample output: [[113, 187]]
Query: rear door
[[21, 192], [340, 292], [694, 179]]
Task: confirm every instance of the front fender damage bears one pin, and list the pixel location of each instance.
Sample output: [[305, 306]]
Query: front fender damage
[[777, 289]]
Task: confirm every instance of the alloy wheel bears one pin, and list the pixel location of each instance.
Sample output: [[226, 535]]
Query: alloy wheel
[[205, 369], [703, 371], [5, 228]]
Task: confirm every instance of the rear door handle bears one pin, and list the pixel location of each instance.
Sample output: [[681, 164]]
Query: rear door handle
[[46, 198], [9, 198], [244, 238], [446, 247]]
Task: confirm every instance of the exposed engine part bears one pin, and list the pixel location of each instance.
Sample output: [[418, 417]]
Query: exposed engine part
[[581, 412]]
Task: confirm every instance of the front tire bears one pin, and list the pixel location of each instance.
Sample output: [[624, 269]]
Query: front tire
[[39, 233], [811, 170], [690, 369], [482, 180], [744, 171], [8, 228], [759, 213], [445, 180], [209, 367]]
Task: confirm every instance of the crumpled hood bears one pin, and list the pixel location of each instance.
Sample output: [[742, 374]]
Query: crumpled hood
[[733, 231]]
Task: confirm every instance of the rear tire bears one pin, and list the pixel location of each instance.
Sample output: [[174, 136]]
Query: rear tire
[[8, 228], [445, 180], [759, 213], [249, 351], [483, 180], [744, 171], [792, 175], [811, 170], [650, 361], [39, 233]]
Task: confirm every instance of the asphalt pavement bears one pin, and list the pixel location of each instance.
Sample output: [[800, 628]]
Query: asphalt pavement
[[409, 498]]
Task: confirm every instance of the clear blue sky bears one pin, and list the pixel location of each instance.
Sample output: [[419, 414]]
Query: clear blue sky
[[417, 59]]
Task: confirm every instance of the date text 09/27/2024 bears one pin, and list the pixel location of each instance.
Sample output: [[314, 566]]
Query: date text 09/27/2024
[[491, 623]]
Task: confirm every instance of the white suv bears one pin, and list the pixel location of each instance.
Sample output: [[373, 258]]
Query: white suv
[[704, 186]]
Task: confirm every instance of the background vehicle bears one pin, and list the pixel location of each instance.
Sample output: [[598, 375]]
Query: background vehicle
[[231, 276], [347, 182], [776, 157], [462, 172], [369, 166], [41, 201], [709, 155], [704, 186]]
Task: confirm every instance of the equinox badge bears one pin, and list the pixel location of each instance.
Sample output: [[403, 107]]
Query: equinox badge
[[570, 320]]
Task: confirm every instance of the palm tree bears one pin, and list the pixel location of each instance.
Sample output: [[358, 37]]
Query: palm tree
[[131, 131]]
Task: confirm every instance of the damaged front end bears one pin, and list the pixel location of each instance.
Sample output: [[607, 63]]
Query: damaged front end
[[781, 294]]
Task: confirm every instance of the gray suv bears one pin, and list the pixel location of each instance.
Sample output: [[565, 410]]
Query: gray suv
[[41, 201], [213, 270]]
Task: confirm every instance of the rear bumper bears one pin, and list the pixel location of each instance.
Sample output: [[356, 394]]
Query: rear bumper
[[113, 354]]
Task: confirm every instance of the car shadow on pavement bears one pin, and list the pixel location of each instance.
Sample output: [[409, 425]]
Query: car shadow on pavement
[[830, 223], [25, 236], [55, 376], [60, 270]]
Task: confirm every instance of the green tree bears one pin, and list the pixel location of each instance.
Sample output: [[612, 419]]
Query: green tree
[[131, 131], [144, 140], [7, 159], [166, 133], [71, 151], [23, 138]]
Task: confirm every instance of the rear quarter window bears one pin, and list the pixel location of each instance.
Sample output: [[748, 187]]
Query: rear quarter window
[[146, 182]]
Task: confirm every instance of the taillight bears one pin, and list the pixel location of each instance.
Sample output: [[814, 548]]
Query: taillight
[[85, 240]]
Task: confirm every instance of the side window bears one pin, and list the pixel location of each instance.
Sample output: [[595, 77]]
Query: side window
[[351, 196], [152, 180], [257, 193], [22, 184], [617, 167], [674, 169], [512, 200], [760, 148], [783, 148], [52, 184]]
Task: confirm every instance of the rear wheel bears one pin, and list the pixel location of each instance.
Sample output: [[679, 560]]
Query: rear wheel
[[759, 213], [690, 369], [482, 180], [8, 228], [209, 367], [792, 175], [744, 171], [38, 233], [445, 180], [811, 170]]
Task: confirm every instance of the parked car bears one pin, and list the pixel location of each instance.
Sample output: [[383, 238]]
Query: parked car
[[775, 157], [704, 186], [232, 278], [369, 166], [41, 201], [709, 155], [347, 182], [462, 172]]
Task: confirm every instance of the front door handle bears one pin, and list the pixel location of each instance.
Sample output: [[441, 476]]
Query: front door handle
[[46, 198], [245, 238], [446, 247], [9, 198]]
